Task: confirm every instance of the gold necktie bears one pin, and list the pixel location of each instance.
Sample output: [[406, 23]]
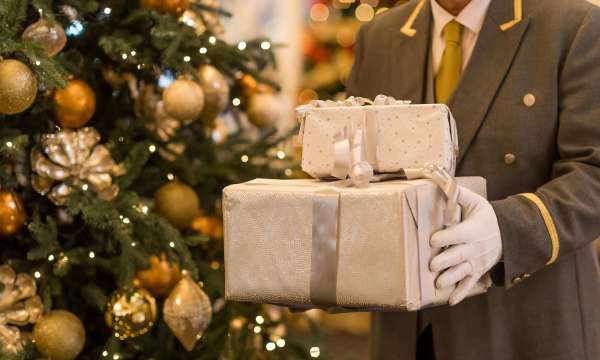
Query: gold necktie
[[451, 67]]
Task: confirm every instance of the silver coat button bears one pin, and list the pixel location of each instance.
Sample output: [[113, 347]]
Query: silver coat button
[[510, 159], [529, 100]]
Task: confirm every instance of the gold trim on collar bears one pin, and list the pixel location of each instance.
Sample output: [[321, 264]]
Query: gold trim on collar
[[549, 225], [518, 16], [408, 29]]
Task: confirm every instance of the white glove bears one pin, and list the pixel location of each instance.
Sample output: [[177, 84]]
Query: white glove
[[474, 246]]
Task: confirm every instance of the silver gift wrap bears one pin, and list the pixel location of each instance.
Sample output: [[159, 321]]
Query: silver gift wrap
[[308, 243], [395, 135]]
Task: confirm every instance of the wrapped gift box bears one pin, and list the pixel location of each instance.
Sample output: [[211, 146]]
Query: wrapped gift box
[[308, 243], [396, 136]]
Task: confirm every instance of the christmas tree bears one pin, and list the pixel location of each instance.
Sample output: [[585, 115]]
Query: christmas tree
[[120, 123]]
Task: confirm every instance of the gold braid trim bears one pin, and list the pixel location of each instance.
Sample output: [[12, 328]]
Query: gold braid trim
[[549, 225], [518, 16], [408, 29]]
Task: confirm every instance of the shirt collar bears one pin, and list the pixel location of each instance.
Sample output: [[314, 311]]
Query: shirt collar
[[471, 17]]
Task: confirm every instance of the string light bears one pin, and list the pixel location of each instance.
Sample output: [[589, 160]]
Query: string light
[[245, 158], [170, 177], [236, 102], [9, 144], [315, 352], [280, 343], [116, 357], [37, 275], [126, 221], [50, 257], [144, 209], [288, 172], [257, 329], [265, 45], [152, 148], [242, 45], [75, 28], [124, 56], [280, 155], [133, 244], [172, 244], [212, 40], [38, 63], [85, 187], [270, 346], [187, 58], [203, 50], [107, 11], [260, 320], [105, 353], [92, 255], [133, 52]]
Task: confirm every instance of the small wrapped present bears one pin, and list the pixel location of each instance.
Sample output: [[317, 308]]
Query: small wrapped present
[[388, 134], [308, 243]]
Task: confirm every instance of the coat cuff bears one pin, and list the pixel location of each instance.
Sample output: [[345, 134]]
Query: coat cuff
[[527, 239]]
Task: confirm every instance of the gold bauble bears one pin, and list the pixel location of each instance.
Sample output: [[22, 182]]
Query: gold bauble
[[59, 335], [188, 312], [74, 105], [12, 213], [178, 203], [50, 37], [160, 278], [184, 100], [249, 85], [18, 87], [264, 110], [208, 225], [130, 313], [174, 6], [216, 92]]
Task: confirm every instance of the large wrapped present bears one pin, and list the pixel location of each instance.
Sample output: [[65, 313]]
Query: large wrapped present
[[308, 243], [394, 135]]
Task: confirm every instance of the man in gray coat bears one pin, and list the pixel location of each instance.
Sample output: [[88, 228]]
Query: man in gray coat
[[522, 78]]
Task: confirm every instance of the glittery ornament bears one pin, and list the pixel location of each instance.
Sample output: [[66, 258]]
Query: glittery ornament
[[18, 87], [178, 203], [188, 312], [59, 335], [130, 313], [74, 105], [160, 278], [19, 306], [74, 158], [205, 20], [12, 213], [208, 225], [184, 100], [264, 110], [216, 92], [51, 37]]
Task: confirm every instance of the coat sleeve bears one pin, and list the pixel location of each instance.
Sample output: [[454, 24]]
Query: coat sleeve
[[353, 87], [564, 214]]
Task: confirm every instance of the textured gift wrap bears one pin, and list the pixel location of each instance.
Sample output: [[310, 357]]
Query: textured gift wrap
[[308, 243], [396, 136]]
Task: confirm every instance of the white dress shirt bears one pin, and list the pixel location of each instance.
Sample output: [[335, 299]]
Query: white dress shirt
[[471, 17]]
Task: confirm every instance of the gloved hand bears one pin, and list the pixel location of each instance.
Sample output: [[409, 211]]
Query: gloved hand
[[474, 246]]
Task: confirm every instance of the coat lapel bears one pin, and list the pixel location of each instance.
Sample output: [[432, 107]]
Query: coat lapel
[[487, 68], [410, 51]]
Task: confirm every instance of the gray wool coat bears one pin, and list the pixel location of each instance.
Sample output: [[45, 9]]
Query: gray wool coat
[[528, 114]]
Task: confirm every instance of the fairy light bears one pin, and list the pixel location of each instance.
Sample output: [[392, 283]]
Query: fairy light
[[75, 28], [38, 63], [265, 45], [315, 352], [270, 346], [236, 102], [245, 158], [92, 255], [126, 221], [85, 187], [187, 58], [280, 155], [124, 56], [133, 244], [172, 244], [257, 329], [280, 343], [9, 144], [116, 357], [288, 172], [133, 52], [203, 50], [260, 320], [212, 40], [139, 66], [105, 353], [170, 177], [50, 257], [37, 274], [144, 209], [242, 45], [152, 148], [107, 11]]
